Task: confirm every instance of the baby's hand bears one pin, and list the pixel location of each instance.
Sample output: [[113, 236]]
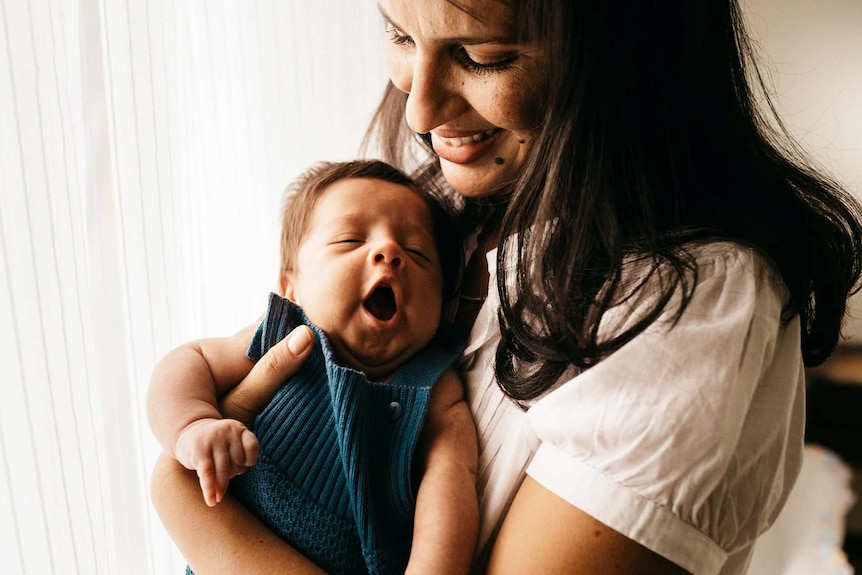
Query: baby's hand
[[219, 450]]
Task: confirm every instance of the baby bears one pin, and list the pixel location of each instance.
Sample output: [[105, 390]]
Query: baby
[[344, 444]]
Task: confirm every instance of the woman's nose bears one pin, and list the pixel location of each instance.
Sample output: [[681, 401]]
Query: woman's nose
[[433, 98]]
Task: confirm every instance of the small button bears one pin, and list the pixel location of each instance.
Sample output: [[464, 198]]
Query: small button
[[394, 410]]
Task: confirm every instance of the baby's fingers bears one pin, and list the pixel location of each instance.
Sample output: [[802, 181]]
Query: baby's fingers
[[208, 477], [219, 449], [244, 451], [225, 469]]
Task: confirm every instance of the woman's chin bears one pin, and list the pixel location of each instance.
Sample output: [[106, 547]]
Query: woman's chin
[[477, 180]]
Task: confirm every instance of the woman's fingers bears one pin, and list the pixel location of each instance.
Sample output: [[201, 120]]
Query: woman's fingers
[[283, 359]]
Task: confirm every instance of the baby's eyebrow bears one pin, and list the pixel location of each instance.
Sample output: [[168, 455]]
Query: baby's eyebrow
[[418, 228], [350, 218]]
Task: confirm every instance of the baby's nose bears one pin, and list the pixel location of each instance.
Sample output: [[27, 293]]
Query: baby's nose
[[388, 253], [391, 260]]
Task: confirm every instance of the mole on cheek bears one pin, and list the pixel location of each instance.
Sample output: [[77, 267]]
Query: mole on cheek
[[498, 161]]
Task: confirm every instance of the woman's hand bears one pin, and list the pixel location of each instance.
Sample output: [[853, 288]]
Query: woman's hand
[[247, 399]]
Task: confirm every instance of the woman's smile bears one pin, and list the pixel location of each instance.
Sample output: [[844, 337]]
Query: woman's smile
[[463, 149]]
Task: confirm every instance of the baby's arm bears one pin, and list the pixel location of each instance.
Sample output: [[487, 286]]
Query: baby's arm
[[447, 510], [182, 407]]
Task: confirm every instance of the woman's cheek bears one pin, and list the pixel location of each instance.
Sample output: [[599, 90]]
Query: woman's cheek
[[400, 70], [525, 96], [523, 107]]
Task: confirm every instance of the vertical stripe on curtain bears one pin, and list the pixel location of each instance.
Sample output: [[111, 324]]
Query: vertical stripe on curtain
[[54, 478], [144, 145]]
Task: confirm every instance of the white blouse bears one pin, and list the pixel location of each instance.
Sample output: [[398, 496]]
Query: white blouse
[[687, 440]]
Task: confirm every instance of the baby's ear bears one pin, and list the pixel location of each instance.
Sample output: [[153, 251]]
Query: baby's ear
[[285, 286]]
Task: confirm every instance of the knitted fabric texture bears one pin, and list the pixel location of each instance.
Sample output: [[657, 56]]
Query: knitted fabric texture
[[334, 474]]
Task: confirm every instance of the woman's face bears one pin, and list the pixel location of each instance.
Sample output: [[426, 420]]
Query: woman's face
[[470, 84]]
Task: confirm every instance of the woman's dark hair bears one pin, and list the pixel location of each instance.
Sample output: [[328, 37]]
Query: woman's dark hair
[[302, 194], [651, 141]]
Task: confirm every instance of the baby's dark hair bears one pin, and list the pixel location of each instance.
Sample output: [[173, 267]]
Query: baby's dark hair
[[301, 196]]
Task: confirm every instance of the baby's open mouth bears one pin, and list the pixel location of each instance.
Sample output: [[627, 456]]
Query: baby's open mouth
[[381, 303]]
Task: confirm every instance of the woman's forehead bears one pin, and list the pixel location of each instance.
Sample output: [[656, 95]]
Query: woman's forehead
[[491, 20], [482, 10]]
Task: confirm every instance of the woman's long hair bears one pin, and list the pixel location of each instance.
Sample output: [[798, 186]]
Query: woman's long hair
[[651, 141]]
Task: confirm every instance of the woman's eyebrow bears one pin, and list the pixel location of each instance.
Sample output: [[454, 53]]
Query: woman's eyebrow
[[386, 16], [471, 13], [466, 41]]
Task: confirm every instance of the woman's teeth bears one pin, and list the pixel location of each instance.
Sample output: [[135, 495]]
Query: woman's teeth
[[458, 142]]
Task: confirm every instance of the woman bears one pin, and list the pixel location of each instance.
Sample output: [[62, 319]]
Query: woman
[[651, 267]]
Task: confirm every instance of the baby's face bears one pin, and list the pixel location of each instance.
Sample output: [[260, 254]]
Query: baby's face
[[368, 274]]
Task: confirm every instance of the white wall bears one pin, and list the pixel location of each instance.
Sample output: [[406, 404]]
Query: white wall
[[813, 53]]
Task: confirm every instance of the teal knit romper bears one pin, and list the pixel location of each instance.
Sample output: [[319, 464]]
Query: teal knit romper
[[334, 476]]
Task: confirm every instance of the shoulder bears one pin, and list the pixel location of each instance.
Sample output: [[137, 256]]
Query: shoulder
[[729, 329], [731, 277], [720, 278], [732, 265], [449, 388]]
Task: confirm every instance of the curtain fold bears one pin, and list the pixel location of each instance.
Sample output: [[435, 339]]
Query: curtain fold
[[144, 145]]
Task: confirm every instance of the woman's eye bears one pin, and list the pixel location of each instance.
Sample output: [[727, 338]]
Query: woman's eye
[[470, 63], [484, 67], [398, 38]]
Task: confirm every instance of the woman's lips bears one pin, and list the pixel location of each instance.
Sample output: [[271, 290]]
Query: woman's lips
[[463, 149]]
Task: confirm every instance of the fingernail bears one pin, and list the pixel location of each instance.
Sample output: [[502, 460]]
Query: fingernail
[[299, 340]]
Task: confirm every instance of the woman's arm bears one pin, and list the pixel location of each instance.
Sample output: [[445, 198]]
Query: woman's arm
[[225, 539], [228, 538], [545, 534], [446, 524]]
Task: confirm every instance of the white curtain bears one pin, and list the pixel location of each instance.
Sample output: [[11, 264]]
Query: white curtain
[[144, 145]]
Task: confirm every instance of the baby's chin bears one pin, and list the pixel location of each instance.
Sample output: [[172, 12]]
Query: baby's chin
[[377, 362], [377, 365]]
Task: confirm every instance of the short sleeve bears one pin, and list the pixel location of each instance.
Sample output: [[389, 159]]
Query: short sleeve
[[688, 438]]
